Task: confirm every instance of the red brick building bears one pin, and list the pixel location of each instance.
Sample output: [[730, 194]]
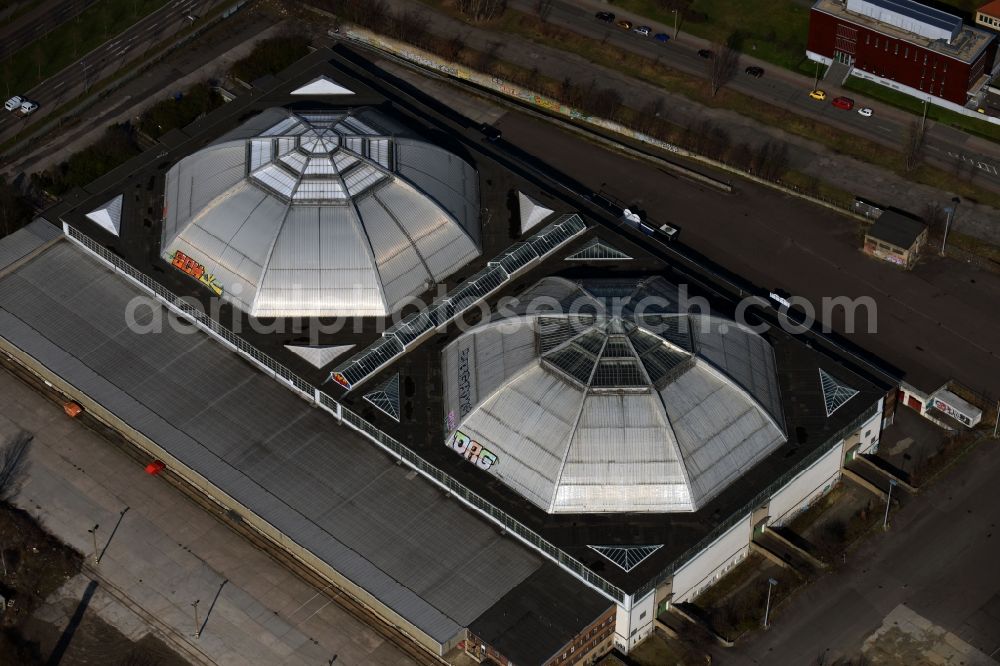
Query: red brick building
[[904, 45]]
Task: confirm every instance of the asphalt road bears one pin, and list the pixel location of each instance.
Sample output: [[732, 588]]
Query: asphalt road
[[944, 145], [40, 21], [934, 323], [939, 559], [77, 78]]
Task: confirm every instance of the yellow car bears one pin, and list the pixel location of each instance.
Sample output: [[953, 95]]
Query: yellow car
[[818, 94]]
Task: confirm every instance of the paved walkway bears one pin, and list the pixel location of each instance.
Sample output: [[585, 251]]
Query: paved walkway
[[807, 156], [167, 553], [906, 638]]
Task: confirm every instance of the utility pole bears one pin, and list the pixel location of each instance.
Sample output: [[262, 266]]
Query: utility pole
[[996, 423], [197, 628], [888, 501], [93, 533], [923, 118], [816, 78], [947, 223], [767, 608]]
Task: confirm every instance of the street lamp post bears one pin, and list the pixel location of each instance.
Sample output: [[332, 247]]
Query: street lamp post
[[93, 533], [767, 607], [996, 423], [197, 629], [675, 24], [888, 501], [947, 223]]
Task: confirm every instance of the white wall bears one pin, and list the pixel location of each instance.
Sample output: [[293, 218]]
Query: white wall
[[711, 563], [632, 626], [806, 487], [870, 432]]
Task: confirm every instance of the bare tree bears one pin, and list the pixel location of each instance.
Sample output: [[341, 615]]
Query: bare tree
[[482, 10], [913, 149], [543, 8], [453, 47], [771, 160], [722, 65], [13, 462], [934, 216]]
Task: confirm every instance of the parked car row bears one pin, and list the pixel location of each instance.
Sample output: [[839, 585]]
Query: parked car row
[[644, 30], [845, 103], [21, 105]]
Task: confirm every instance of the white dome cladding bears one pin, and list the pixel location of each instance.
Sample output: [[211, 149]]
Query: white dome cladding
[[609, 408], [321, 214]]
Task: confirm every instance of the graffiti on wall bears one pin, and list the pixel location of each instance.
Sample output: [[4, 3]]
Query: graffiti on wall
[[471, 450], [187, 265], [464, 384]]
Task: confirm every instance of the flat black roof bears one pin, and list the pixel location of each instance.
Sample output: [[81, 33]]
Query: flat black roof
[[893, 227], [538, 617]]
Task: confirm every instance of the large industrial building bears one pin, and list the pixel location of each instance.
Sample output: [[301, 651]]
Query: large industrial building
[[904, 45], [528, 468]]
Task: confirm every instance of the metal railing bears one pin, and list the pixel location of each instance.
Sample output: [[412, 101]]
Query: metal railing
[[344, 415]]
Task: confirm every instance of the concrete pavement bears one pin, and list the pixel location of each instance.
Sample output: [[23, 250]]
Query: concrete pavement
[[167, 552]]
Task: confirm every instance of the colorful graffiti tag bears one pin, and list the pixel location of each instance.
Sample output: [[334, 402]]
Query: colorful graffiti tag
[[471, 450], [464, 384], [340, 379], [187, 265]]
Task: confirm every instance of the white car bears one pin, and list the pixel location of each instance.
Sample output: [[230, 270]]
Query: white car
[[13, 103], [28, 107], [643, 30], [865, 112]]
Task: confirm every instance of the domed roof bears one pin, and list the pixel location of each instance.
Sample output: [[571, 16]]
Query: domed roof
[[321, 214], [612, 407]]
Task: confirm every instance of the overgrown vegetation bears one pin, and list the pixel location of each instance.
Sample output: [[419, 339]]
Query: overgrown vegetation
[[119, 143], [170, 113], [271, 56], [742, 609], [114, 148], [15, 208]]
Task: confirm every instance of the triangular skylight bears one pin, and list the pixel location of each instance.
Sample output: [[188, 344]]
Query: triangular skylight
[[598, 250], [532, 212], [626, 557], [322, 86], [109, 216], [386, 397], [318, 355], [835, 394]]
